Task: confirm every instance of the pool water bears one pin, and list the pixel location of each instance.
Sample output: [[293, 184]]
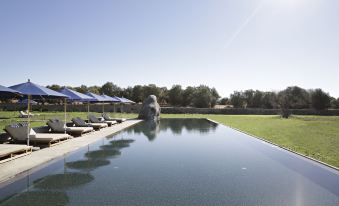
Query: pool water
[[178, 162]]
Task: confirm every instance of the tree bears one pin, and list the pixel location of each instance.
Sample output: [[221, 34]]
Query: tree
[[175, 95], [203, 97], [54, 87], [320, 100], [335, 103], [237, 99], [151, 89], [81, 89], [269, 100], [110, 89], [127, 93], [94, 89], [187, 96], [248, 97], [137, 93], [214, 97], [163, 96], [224, 101], [294, 98]]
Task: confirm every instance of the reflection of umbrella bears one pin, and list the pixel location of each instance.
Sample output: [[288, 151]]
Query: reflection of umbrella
[[25, 101], [121, 141], [63, 181], [117, 144], [36, 92], [43, 198], [8, 92], [102, 154], [87, 164], [74, 96]]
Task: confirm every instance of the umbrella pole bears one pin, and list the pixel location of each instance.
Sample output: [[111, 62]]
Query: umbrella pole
[[103, 107], [28, 118], [65, 109], [87, 108]]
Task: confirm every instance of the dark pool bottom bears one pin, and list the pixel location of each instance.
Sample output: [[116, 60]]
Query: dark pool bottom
[[178, 162]]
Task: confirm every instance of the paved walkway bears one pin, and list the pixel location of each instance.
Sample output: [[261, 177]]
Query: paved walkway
[[15, 167]]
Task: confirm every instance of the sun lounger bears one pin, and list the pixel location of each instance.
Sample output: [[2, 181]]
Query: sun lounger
[[81, 123], [23, 114], [57, 126], [94, 119], [12, 151], [108, 118], [18, 133]]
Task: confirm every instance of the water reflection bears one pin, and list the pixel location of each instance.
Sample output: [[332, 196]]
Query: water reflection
[[50, 189], [152, 128], [37, 198], [149, 128], [63, 181], [102, 154], [88, 164], [117, 144]]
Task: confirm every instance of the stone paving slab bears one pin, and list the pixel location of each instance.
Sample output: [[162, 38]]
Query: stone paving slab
[[18, 166]]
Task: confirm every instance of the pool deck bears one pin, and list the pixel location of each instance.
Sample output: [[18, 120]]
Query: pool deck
[[18, 166]]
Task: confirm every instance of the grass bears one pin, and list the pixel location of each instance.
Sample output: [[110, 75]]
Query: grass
[[314, 136]]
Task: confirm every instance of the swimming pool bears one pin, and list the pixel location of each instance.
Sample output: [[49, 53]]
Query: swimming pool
[[177, 162]]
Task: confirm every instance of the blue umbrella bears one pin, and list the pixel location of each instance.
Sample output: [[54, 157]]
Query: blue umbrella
[[125, 100], [35, 91], [25, 101], [8, 93], [96, 98], [109, 99], [75, 96]]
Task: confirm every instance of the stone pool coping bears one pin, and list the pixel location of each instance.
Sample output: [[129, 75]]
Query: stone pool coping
[[279, 146], [11, 169]]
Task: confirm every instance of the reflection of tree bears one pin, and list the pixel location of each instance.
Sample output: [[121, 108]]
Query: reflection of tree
[[37, 198], [63, 181], [87, 164], [152, 128]]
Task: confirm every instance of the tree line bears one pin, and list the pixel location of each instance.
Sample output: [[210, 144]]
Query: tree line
[[290, 98], [205, 97], [201, 96]]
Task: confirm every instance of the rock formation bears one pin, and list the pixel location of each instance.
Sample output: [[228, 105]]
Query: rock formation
[[150, 109]]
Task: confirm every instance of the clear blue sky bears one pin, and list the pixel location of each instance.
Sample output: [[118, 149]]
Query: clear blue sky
[[229, 45]]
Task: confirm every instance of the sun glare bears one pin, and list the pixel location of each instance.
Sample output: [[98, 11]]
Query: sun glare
[[286, 3]]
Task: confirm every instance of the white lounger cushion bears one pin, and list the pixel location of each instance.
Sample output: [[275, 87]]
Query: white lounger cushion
[[48, 137], [79, 129], [98, 124]]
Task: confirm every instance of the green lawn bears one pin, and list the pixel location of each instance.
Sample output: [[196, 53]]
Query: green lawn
[[314, 136]]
